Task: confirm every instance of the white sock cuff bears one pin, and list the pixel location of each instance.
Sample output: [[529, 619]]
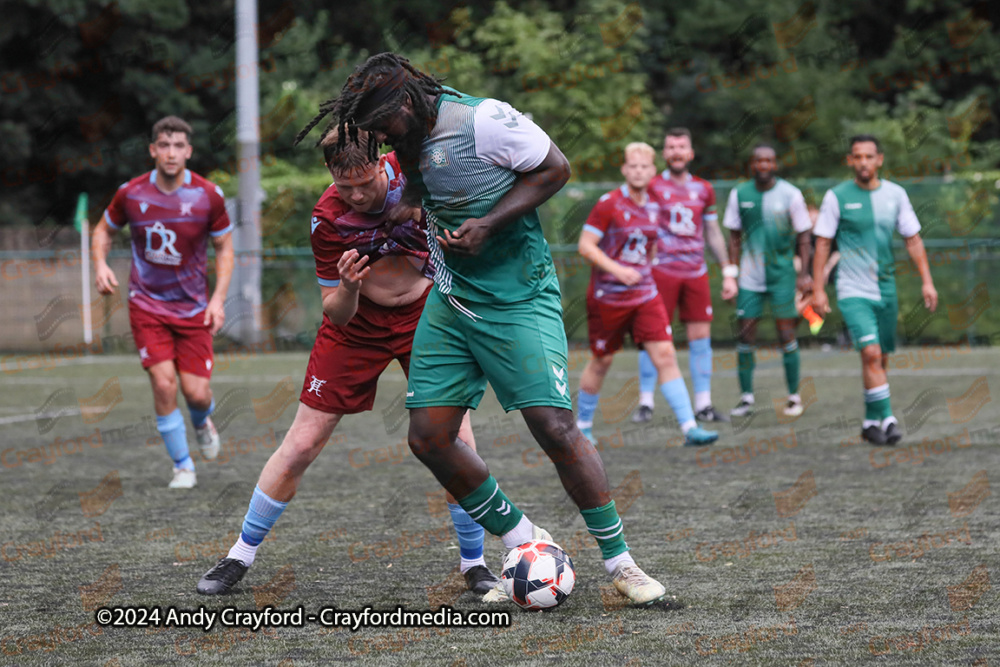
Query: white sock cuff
[[243, 551], [520, 534], [611, 563]]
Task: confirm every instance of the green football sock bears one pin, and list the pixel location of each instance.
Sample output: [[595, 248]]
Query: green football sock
[[791, 361], [606, 527], [745, 365], [877, 403], [491, 509]]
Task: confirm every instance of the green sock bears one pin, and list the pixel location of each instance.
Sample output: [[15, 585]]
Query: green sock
[[745, 364], [491, 509], [877, 403], [791, 361], [606, 527]]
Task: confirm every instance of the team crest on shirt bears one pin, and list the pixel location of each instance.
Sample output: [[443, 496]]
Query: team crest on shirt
[[439, 158], [186, 207], [163, 250], [143, 206]]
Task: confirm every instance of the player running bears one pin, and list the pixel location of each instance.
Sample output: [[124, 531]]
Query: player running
[[770, 214], [495, 313], [861, 215], [619, 240], [689, 221], [172, 212], [374, 279]]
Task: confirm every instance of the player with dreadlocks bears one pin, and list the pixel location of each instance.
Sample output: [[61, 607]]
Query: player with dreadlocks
[[374, 279], [495, 313]]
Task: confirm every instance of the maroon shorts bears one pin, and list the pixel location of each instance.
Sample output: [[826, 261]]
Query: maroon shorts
[[693, 295], [607, 324], [346, 361], [187, 341]]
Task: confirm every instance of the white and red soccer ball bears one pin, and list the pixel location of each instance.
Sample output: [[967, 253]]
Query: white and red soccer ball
[[538, 575]]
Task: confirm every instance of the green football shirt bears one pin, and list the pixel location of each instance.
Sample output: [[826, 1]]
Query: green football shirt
[[468, 162], [770, 222], [862, 222]]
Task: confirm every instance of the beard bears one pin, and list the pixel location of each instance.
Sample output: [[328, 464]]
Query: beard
[[408, 146]]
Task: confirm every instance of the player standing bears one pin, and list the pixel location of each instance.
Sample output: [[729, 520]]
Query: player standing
[[374, 279], [495, 313], [689, 222], [172, 212], [861, 215], [619, 240], [770, 215]]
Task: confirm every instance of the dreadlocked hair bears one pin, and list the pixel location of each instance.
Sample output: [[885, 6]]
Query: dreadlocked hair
[[365, 78]]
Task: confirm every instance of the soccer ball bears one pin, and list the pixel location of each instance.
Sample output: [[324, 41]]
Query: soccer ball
[[538, 575]]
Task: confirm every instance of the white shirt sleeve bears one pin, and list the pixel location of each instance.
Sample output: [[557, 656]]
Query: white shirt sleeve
[[507, 139], [801, 222], [829, 216], [906, 220], [731, 218]]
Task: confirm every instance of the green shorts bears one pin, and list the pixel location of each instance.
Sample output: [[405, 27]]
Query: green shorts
[[871, 322], [520, 348], [750, 305]]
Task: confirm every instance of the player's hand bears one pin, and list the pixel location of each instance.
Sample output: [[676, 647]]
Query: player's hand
[[930, 296], [804, 283], [820, 302], [730, 288], [628, 275], [215, 315], [352, 269], [400, 213], [468, 239], [106, 281]]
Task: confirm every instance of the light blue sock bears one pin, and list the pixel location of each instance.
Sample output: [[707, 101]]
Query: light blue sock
[[260, 518], [171, 428], [648, 375], [198, 417], [701, 364], [676, 393], [586, 404], [470, 534]]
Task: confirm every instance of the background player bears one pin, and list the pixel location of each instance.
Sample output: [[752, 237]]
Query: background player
[[861, 215], [689, 222], [374, 279], [495, 313], [770, 214], [171, 212], [619, 240]]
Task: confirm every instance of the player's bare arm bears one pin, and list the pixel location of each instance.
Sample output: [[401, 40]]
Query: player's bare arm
[[915, 247], [215, 312], [803, 247], [820, 302], [529, 192], [735, 248], [717, 244], [99, 246], [590, 251], [340, 303]]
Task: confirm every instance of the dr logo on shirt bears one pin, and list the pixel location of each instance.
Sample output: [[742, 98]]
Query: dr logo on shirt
[[167, 253]]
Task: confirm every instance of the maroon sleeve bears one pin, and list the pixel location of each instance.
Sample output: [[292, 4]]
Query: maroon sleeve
[[217, 212], [602, 214], [327, 245], [114, 214]]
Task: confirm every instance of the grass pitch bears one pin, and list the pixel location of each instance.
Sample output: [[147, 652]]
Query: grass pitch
[[787, 543]]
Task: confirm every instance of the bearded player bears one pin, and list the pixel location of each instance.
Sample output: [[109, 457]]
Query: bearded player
[[861, 215], [619, 240], [374, 279], [172, 212], [495, 314], [689, 222]]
